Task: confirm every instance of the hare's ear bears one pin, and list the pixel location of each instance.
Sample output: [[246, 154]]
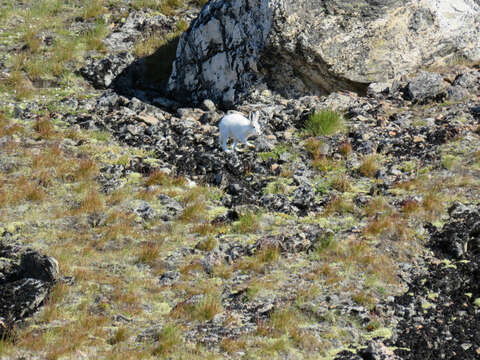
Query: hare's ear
[[250, 117], [255, 117]]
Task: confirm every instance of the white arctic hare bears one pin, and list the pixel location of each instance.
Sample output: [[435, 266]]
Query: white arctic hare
[[239, 128]]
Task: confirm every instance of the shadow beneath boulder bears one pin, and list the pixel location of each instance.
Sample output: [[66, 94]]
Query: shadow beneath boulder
[[146, 78]]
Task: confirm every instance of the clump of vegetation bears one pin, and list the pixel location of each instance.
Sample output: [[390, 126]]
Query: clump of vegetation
[[345, 148], [369, 166], [341, 183], [324, 122], [325, 242], [44, 127], [264, 256], [231, 346], [146, 4], [27, 190], [392, 225], [433, 203], [168, 7], [119, 336], [207, 244], [149, 252], [17, 82], [200, 2], [207, 228], [274, 153], [247, 223], [7, 127], [87, 169], [316, 148], [449, 161], [364, 299], [93, 39], [195, 205], [159, 177], [168, 340], [410, 206], [378, 205], [208, 307], [339, 205], [93, 9], [279, 186], [91, 203], [285, 320], [319, 151]]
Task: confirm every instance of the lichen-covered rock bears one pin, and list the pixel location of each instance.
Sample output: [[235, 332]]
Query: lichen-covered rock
[[426, 86], [102, 72], [313, 46]]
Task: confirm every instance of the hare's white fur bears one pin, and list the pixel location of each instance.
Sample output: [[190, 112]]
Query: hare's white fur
[[239, 128]]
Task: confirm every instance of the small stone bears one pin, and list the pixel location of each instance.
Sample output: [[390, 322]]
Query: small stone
[[288, 134], [266, 93], [134, 130], [208, 105], [164, 102], [378, 89], [147, 119], [234, 189]]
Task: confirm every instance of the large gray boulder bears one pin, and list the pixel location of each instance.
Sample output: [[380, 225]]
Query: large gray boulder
[[317, 46]]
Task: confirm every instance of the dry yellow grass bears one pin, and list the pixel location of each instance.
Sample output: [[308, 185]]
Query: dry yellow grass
[[369, 166], [44, 127], [91, 202]]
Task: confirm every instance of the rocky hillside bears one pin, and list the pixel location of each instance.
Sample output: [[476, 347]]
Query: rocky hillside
[[350, 231]]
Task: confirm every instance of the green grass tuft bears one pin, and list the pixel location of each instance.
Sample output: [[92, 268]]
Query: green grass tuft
[[325, 122]]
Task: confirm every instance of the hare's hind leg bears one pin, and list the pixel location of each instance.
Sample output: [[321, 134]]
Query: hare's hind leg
[[223, 142], [235, 141]]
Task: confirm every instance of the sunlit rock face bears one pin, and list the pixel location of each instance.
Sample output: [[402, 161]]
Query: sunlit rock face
[[299, 47]]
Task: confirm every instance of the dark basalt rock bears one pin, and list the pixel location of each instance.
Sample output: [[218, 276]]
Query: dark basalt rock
[[26, 278], [439, 314], [476, 111], [458, 238], [375, 350]]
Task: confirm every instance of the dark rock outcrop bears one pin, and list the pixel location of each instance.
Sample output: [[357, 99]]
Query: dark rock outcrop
[[26, 278], [439, 314]]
